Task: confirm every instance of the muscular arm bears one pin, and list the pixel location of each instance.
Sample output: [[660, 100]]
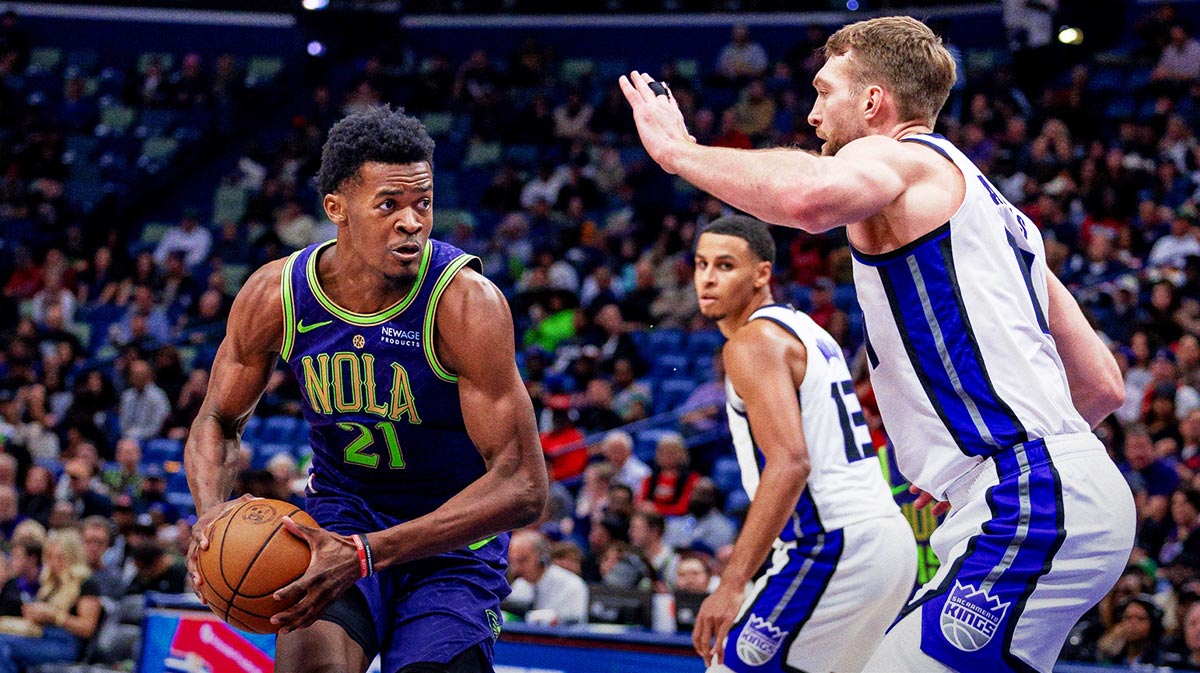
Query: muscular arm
[[792, 187], [780, 186], [239, 375], [1097, 389], [766, 366], [475, 339]]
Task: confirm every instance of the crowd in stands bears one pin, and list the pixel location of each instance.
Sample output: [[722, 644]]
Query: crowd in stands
[[538, 171]]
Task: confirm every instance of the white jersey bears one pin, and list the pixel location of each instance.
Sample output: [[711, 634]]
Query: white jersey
[[962, 360], [845, 483]]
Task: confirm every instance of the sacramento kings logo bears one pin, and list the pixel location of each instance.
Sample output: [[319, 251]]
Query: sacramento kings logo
[[971, 617], [258, 514], [759, 641]]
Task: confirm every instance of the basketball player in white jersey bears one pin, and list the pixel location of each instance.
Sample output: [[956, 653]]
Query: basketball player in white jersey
[[844, 558], [988, 377]]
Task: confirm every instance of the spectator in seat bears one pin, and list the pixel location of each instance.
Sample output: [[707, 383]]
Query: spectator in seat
[[153, 500], [617, 448], [693, 575], [563, 442], [144, 406], [65, 614], [646, 529], [540, 584], [631, 398], [156, 570], [98, 535], [125, 476], [1150, 478], [742, 58], [25, 572], [567, 555], [84, 497], [193, 240], [669, 486], [704, 525], [10, 515], [1179, 63], [37, 498], [1136, 638]]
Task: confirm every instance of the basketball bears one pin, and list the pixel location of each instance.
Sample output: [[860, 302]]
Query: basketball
[[250, 556]]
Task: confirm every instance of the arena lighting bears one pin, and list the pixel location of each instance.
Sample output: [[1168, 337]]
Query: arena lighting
[[1069, 35], [315, 48], [314, 5], [852, 5]]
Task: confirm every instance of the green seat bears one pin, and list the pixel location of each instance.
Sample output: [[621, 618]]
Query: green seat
[[153, 232], [446, 219], [118, 118], [45, 58], [688, 68], [438, 123], [575, 69], [158, 149], [229, 204], [235, 275], [165, 59], [480, 154], [262, 69]]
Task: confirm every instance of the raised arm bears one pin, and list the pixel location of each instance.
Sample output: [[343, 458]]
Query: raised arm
[[1097, 389], [765, 366], [239, 375], [779, 186]]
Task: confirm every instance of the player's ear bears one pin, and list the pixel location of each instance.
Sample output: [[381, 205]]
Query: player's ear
[[335, 209], [762, 274], [872, 101]]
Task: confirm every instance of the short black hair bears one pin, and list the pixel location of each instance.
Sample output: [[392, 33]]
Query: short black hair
[[379, 134], [753, 231]]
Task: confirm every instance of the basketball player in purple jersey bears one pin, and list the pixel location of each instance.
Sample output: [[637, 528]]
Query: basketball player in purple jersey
[[425, 447]]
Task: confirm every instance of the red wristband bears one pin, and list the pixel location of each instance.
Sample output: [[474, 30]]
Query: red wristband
[[363, 564]]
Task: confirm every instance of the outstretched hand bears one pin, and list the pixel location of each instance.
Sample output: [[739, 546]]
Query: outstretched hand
[[659, 121], [332, 569], [923, 499]]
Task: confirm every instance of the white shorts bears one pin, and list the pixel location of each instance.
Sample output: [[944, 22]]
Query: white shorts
[[826, 601], [1036, 536]]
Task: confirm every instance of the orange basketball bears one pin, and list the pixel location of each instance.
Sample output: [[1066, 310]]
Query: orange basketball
[[250, 556]]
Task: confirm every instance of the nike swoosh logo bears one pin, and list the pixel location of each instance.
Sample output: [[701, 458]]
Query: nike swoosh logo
[[302, 328]]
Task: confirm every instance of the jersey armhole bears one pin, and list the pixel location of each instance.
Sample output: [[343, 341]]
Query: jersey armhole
[[287, 295], [435, 296]]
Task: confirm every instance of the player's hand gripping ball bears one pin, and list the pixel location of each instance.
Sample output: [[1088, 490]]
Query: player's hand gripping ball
[[250, 556]]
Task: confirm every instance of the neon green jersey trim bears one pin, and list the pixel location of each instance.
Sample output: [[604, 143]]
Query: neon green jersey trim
[[365, 319], [427, 342], [481, 543], [289, 309]]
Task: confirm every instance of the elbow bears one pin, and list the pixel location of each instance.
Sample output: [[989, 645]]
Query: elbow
[[530, 501], [1113, 395]]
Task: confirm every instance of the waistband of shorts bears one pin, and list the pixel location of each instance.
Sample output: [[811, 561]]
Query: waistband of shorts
[[1022, 458]]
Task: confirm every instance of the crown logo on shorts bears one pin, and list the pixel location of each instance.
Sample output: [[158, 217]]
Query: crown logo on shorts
[[759, 641], [971, 616]]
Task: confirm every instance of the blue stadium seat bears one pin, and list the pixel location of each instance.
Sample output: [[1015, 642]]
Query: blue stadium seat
[[705, 342], [665, 340], [669, 365], [263, 453], [161, 449], [671, 393], [737, 501], [845, 298], [727, 474], [283, 429]]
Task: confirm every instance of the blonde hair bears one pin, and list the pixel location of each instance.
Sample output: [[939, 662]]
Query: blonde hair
[[903, 55], [62, 591]]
